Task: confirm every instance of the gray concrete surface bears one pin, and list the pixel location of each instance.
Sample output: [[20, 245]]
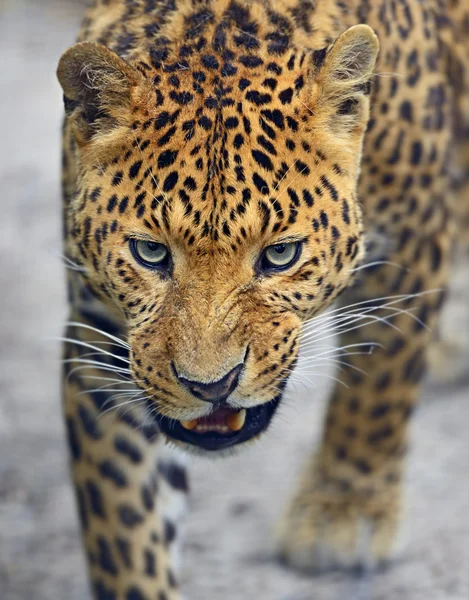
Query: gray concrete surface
[[234, 502]]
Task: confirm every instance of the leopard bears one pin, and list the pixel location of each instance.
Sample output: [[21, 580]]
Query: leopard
[[236, 173]]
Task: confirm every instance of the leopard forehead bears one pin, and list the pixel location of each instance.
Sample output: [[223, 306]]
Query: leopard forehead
[[233, 172], [233, 159]]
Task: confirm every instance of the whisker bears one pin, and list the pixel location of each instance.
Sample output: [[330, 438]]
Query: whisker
[[352, 314], [91, 366], [106, 388], [118, 406], [100, 331], [303, 377], [342, 329], [345, 331], [286, 173], [379, 263], [387, 74], [122, 380], [327, 376], [369, 319], [86, 345], [289, 184], [334, 361], [393, 300], [95, 362], [68, 262], [87, 367], [76, 269], [357, 316], [340, 348], [107, 342], [304, 360]]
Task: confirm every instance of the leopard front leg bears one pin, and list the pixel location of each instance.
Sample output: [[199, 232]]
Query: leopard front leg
[[126, 489], [348, 507]]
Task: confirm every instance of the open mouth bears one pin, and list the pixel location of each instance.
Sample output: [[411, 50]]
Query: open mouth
[[223, 428]]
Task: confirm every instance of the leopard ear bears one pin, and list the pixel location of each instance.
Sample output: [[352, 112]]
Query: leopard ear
[[97, 86], [342, 75]]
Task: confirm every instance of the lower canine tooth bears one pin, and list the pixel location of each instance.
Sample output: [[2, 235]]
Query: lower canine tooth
[[236, 421], [189, 424]]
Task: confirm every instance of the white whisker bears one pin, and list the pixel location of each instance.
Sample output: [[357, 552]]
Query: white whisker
[[68, 262], [106, 388], [118, 406], [392, 300], [353, 316], [379, 263], [122, 380], [334, 361], [86, 345], [96, 363], [100, 331]]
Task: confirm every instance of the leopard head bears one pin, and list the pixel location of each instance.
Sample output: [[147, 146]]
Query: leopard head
[[215, 207]]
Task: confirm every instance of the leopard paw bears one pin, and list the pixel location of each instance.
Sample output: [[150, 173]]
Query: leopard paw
[[325, 528]]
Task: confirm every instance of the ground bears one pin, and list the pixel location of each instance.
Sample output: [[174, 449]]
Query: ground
[[234, 502]]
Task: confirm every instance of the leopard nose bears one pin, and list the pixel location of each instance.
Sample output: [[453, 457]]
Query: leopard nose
[[215, 391]]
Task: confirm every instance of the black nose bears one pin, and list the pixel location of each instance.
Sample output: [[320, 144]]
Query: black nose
[[216, 390]]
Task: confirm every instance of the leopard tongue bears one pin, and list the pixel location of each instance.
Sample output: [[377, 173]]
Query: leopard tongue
[[234, 421]]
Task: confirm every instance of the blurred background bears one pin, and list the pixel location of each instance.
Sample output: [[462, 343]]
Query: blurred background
[[235, 502]]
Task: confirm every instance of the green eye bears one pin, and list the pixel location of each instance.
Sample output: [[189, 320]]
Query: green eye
[[281, 256], [150, 254]]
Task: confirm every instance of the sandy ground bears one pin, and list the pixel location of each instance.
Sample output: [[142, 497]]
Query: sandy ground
[[234, 502]]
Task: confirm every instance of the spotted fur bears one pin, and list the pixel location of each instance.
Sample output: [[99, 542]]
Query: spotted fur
[[218, 129]]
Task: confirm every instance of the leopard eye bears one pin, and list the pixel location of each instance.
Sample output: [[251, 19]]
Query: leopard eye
[[281, 256], [150, 254]]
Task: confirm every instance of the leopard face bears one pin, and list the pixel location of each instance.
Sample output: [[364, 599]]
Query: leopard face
[[216, 209]]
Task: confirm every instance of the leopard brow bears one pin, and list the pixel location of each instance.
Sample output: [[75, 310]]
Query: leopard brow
[[289, 240], [141, 237]]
